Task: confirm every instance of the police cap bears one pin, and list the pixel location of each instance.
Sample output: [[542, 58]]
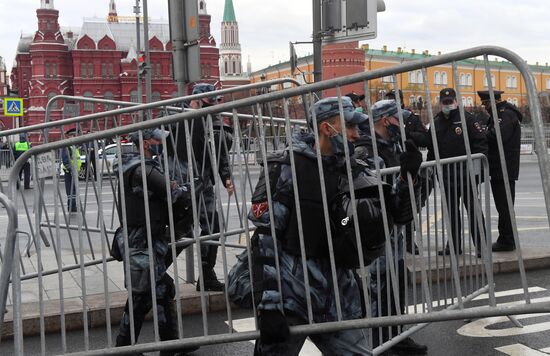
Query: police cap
[[148, 134], [383, 108], [484, 95]]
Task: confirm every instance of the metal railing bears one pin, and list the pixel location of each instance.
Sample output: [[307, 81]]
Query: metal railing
[[462, 277]]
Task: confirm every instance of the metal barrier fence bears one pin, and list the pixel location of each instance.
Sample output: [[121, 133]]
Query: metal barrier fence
[[449, 281]]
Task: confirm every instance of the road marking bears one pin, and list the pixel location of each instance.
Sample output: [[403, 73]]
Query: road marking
[[248, 324], [519, 350], [449, 301], [480, 328]]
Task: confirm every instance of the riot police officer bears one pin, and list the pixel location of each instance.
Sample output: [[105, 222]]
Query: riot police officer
[[414, 128], [509, 120], [386, 128], [274, 320], [137, 237], [451, 143], [70, 158]]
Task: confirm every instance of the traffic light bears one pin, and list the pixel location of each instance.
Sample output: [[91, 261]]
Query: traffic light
[[142, 64]]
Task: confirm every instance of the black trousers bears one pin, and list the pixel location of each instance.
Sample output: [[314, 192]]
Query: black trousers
[[26, 173], [505, 231], [70, 190], [142, 304], [208, 216], [464, 192]]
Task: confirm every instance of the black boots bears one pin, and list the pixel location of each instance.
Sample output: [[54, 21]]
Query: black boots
[[211, 283]]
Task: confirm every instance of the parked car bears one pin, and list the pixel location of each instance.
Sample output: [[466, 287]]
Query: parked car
[[105, 164]]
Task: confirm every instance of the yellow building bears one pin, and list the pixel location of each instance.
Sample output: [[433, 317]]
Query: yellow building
[[471, 76]]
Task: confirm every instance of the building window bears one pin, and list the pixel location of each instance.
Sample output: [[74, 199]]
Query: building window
[[485, 82], [469, 79], [234, 67], [155, 96], [51, 95], [46, 70], [548, 83], [90, 70], [208, 70], [54, 70], [443, 78], [103, 70], [470, 102], [202, 70], [462, 80], [83, 70], [109, 96], [111, 72], [87, 105], [225, 67], [134, 96], [159, 70], [437, 78]]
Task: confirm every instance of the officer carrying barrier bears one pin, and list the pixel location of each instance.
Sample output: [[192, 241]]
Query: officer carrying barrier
[[262, 217]]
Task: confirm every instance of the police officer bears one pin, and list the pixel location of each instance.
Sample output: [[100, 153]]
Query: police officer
[[137, 237], [386, 127], [414, 128], [509, 120], [450, 139], [201, 158], [70, 158], [19, 148], [358, 101], [274, 320]]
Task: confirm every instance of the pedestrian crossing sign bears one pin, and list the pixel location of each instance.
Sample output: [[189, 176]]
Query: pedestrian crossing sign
[[13, 107]]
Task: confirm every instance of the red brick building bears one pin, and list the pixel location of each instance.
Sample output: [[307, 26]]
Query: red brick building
[[98, 60]]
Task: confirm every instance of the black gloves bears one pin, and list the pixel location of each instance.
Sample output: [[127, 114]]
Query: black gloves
[[273, 327], [410, 160]]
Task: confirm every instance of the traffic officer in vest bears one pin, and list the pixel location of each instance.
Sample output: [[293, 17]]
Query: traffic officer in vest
[[71, 163], [137, 237], [509, 120], [279, 310], [450, 140], [388, 143], [18, 149]]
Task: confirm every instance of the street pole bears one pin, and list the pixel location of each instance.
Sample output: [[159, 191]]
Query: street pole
[[317, 42], [147, 59], [138, 49], [176, 11]]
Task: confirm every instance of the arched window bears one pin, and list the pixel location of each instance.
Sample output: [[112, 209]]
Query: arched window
[[111, 73], [469, 79], [437, 78], [155, 96], [90, 70], [134, 96], [88, 106], [103, 70], [462, 79], [234, 67], [54, 70], [485, 82], [514, 82], [225, 66], [419, 78], [109, 96], [508, 82], [470, 102], [444, 78], [46, 70], [83, 70], [51, 95]]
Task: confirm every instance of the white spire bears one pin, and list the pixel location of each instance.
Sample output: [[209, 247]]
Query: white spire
[[112, 7], [46, 4]]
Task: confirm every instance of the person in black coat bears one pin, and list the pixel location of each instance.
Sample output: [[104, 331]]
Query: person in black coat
[[450, 139], [509, 119], [414, 128]]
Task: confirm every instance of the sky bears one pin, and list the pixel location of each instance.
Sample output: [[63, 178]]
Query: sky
[[266, 27]]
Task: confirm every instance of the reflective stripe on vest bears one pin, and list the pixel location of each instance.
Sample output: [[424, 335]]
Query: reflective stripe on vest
[[22, 146]]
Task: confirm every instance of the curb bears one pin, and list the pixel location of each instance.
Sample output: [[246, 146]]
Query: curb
[[96, 311]]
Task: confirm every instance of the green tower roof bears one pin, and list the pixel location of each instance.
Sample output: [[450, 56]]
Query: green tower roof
[[229, 12]]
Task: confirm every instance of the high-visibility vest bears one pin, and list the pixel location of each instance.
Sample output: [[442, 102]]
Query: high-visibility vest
[[22, 146], [75, 154]]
